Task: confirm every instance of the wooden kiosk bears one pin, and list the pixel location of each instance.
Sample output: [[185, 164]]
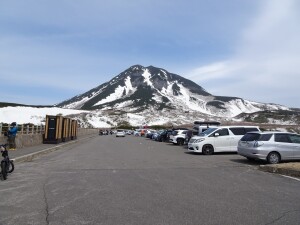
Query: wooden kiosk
[[74, 126], [53, 129], [58, 129]]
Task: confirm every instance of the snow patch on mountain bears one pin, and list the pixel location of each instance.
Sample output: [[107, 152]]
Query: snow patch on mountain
[[112, 97], [123, 104], [78, 104], [147, 75], [128, 85], [119, 92], [157, 98]]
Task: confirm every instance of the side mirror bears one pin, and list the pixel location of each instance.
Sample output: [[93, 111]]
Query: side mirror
[[217, 134]]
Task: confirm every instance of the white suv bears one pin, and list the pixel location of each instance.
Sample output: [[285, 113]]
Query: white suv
[[219, 139], [178, 136], [120, 133]]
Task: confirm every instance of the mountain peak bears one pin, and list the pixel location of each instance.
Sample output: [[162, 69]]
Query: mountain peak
[[139, 88]]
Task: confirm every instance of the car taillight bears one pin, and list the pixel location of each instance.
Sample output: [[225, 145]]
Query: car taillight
[[257, 144]]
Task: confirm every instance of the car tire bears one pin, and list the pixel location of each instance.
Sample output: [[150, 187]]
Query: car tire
[[207, 150], [3, 170], [273, 158]]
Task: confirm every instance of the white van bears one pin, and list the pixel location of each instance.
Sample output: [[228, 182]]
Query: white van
[[219, 139], [200, 126]]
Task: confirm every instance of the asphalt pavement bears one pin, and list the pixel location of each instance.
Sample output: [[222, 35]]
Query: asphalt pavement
[[29, 153], [133, 180]]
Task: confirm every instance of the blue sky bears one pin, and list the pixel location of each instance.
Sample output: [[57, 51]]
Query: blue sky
[[53, 50]]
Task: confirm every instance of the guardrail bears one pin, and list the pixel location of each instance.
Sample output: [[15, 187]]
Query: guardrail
[[23, 129]]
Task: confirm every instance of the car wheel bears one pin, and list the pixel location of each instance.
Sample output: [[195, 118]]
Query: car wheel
[[273, 158], [207, 150]]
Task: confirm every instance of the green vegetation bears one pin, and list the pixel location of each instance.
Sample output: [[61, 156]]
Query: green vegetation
[[280, 115], [225, 99], [6, 104], [125, 125], [260, 118], [158, 127]]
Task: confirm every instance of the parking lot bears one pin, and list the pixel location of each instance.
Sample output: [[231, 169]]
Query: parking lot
[[134, 180]]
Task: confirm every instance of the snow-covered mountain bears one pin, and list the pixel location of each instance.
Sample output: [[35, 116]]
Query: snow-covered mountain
[[151, 96], [150, 89]]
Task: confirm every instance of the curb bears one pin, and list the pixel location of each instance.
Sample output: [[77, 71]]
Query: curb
[[31, 156], [283, 171]]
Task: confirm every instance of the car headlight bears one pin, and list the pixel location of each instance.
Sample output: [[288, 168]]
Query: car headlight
[[198, 140]]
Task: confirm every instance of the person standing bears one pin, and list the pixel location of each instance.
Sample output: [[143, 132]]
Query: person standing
[[12, 132]]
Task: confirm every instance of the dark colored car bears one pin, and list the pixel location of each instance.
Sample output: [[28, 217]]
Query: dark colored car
[[164, 136]]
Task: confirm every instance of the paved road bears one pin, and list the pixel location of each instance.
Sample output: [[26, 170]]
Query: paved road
[[132, 180]]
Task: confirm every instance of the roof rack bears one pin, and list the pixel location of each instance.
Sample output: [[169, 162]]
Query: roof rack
[[207, 123]]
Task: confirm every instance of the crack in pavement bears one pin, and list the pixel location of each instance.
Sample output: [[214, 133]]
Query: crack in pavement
[[46, 203], [280, 217]]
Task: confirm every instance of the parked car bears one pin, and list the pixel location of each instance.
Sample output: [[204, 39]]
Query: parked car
[[120, 133], [150, 133], [155, 134], [127, 132], [163, 136], [137, 132], [272, 147], [178, 136], [219, 139]]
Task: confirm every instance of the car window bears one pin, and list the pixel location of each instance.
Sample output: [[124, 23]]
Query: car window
[[223, 132], [295, 138], [256, 137], [250, 137], [282, 138], [207, 132], [184, 132], [238, 130], [249, 129], [265, 137], [174, 133]]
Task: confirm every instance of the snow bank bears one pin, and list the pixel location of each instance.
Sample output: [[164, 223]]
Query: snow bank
[[21, 114]]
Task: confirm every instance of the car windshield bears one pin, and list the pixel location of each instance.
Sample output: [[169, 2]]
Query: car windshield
[[256, 137], [120, 130], [175, 132], [207, 132]]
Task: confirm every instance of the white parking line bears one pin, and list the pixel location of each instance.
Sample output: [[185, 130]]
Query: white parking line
[[294, 178]]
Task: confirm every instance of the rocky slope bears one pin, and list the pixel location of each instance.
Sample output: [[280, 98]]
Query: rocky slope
[[149, 89]]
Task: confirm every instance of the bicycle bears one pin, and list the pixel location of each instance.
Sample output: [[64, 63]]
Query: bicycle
[[7, 165]]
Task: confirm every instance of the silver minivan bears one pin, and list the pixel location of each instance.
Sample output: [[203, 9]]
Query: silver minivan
[[270, 146]]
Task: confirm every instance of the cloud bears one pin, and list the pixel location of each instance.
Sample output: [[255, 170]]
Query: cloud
[[265, 66]]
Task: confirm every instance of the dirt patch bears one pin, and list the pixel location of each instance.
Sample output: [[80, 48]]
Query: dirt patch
[[290, 166], [290, 169]]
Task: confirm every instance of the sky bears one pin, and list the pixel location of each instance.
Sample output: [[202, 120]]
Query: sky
[[53, 50]]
